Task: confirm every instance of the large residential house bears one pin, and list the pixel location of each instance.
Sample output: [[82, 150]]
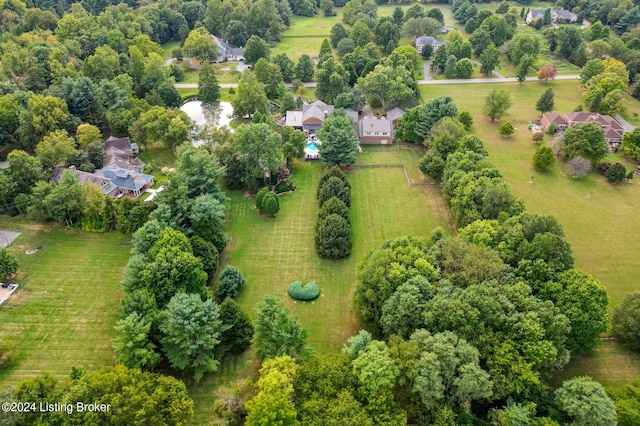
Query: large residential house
[[112, 180], [226, 52], [371, 129], [119, 175], [612, 129], [119, 151], [421, 41], [311, 117], [558, 16]]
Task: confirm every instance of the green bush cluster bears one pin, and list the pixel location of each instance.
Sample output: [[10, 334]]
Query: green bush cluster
[[333, 230], [267, 202], [300, 291]]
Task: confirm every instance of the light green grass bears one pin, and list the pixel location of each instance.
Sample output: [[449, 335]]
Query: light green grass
[[168, 48], [273, 252], [599, 219], [63, 314]]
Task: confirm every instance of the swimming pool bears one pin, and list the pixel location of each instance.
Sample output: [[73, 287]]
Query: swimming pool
[[312, 146]]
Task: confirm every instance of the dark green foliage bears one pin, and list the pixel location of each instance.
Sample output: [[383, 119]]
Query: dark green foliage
[[338, 140], [333, 237], [616, 173], [8, 263], [426, 51], [384, 270], [270, 204], [230, 282], [415, 125], [260, 197], [466, 119], [276, 332], [506, 129], [545, 103], [626, 321], [338, 32], [334, 187], [586, 141], [334, 206], [191, 330], [237, 329], [300, 291], [332, 172], [543, 159], [584, 301], [208, 88], [255, 49]]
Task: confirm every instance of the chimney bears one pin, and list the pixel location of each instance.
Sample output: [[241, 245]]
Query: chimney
[[326, 114]]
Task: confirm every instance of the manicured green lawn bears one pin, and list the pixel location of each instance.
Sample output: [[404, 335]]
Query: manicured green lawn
[[273, 252], [599, 220], [63, 314]]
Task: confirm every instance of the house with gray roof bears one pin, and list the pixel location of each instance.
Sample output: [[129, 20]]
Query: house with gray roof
[[123, 144], [112, 180], [311, 117], [558, 16], [421, 41], [226, 52], [373, 129]]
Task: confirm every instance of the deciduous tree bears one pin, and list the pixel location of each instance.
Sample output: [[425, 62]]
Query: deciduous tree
[[276, 332], [199, 44], [585, 401], [543, 159], [133, 344], [8, 263], [626, 321], [497, 103], [548, 71], [586, 141], [191, 330]]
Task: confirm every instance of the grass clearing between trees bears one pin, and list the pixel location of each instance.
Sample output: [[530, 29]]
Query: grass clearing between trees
[[599, 219], [273, 252], [63, 314]]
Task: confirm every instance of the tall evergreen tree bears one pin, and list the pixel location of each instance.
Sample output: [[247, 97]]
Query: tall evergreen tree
[[208, 88], [545, 103], [338, 140]]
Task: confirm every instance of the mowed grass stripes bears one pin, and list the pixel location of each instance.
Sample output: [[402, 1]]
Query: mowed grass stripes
[[273, 252], [62, 315]]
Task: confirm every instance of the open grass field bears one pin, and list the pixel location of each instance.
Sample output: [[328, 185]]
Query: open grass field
[[63, 314], [599, 220], [271, 253]]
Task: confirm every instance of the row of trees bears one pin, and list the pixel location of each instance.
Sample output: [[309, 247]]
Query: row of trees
[[168, 308], [448, 289], [333, 229]]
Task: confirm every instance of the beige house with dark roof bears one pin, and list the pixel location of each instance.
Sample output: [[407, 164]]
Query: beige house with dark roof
[[375, 130], [612, 129]]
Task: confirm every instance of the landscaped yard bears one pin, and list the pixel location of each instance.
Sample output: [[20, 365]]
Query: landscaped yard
[[63, 314], [271, 253], [599, 220]]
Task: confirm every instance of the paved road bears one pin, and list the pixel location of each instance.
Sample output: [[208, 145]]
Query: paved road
[[626, 126], [425, 82]]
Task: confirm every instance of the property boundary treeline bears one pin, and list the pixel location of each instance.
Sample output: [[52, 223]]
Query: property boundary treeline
[[333, 229]]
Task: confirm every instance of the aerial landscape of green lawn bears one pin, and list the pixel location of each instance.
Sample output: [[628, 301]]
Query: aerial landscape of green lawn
[[599, 219], [62, 315], [273, 252]]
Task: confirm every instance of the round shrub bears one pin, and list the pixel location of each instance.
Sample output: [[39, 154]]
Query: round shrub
[[270, 204], [260, 196], [230, 282], [616, 173], [300, 291], [543, 159]]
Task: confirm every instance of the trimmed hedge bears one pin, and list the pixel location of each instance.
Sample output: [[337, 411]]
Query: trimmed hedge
[[300, 291]]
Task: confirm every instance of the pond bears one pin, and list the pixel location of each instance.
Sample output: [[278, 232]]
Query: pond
[[213, 114]]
